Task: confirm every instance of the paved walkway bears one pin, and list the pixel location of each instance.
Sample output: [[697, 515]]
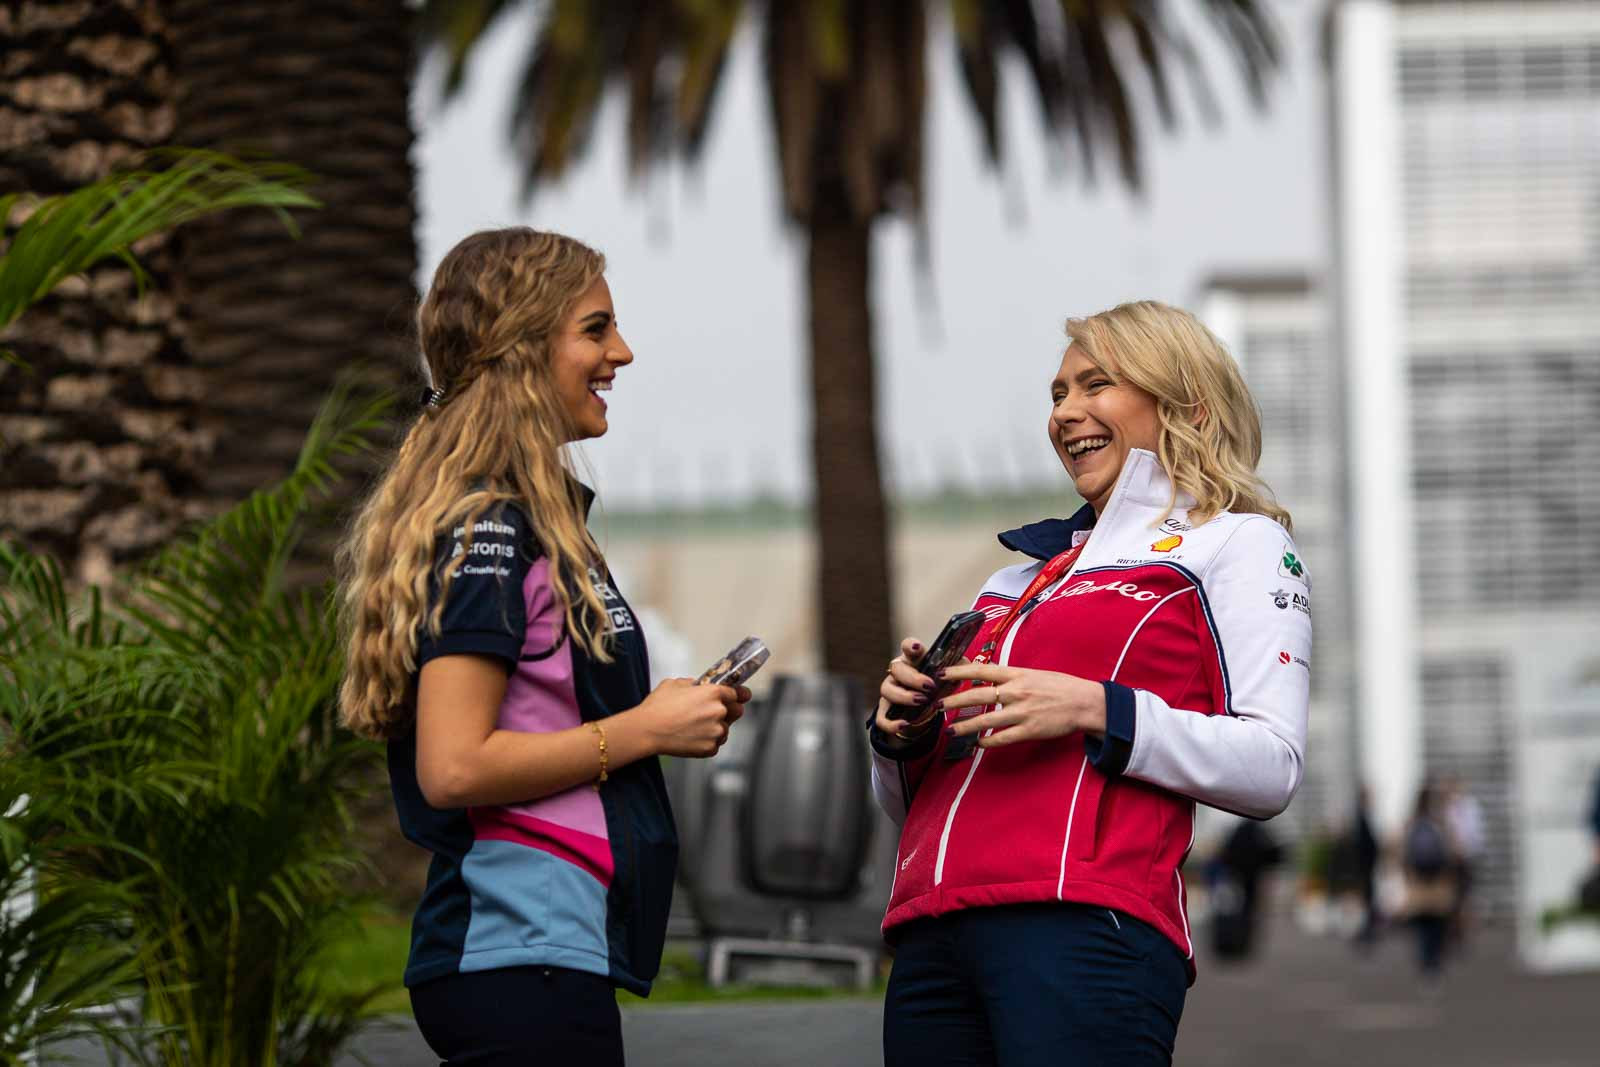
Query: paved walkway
[[1305, 1002]]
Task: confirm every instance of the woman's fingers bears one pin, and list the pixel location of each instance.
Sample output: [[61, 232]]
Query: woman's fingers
[[899, 694], [989, 720], [976, 697], [910, 678], [966, 670], [1000, 738], [911, 650]]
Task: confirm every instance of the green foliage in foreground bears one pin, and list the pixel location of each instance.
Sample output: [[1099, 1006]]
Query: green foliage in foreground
[[66, 235], [190, 814]]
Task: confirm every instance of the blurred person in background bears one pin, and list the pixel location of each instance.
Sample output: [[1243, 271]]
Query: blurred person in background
[[1464, 818], [489, 646], [1246, 856], [1151, 655], [1367, 853], [1589, 887], [1428, 859], [1594, 817]]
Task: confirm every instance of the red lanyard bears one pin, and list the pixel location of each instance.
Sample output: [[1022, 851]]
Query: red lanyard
[[1051, 572]]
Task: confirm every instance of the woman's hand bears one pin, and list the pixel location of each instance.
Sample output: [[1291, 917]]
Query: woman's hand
[[1034, 705], [681, 718], [910, 690]]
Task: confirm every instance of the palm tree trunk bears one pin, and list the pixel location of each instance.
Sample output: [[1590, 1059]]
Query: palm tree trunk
[[99, 442], [852, 522], [275, 319]]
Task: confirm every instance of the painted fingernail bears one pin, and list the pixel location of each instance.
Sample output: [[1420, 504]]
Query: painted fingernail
[[928, 687], [919, 699], [916, 646], [939, 706], [939, 673], [949, 731]]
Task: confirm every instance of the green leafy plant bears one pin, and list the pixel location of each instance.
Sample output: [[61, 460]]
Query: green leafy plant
[[193, 709], [68, 234], [59, 953]]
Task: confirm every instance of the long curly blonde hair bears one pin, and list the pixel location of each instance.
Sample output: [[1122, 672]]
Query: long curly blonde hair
[[1210, 440], [485, 330]]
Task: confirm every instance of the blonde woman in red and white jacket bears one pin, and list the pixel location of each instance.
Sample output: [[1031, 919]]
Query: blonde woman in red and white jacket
[[1152, 653]]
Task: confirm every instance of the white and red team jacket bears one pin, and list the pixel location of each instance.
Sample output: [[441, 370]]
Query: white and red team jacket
[[1202, 637]]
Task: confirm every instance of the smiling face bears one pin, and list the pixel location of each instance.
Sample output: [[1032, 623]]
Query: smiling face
[[585, 352], [1095, 421]]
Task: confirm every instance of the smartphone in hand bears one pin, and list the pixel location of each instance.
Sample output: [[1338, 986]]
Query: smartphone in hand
[[946, 651], [738, 666]]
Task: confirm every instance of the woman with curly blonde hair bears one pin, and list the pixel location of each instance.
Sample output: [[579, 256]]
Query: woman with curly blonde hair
[[489, 646], [1152, 654]]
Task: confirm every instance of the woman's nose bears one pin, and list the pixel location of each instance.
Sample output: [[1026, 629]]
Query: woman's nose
[[620, 353]]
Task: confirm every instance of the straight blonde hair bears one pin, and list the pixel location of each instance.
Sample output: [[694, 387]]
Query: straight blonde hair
[[485, 331], [1210, 439]]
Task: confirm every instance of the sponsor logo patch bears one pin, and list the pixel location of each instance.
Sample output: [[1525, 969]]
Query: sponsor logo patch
[[1286, 659], [1283, 599], [621, 617], [495, 570], [1167, 544], [1087, 585], [1176, 526], [1291, 567]]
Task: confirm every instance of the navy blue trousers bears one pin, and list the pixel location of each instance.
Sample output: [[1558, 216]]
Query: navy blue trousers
[[1033, 985], [520, 1017]]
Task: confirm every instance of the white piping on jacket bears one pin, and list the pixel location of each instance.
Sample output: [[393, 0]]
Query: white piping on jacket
[[977, 757], [1061, 878], [1183, 913]]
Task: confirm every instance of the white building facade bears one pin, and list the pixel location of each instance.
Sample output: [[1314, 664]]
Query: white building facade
[[1276, 325], [1466, 153]]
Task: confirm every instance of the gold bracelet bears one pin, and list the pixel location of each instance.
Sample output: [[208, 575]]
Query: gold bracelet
[[600, 731]]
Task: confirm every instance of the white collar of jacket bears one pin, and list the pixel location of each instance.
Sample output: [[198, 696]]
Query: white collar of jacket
[[1143, 484]]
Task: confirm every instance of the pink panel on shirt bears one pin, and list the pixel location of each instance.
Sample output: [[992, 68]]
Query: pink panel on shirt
[[591, 853], [540, 698]]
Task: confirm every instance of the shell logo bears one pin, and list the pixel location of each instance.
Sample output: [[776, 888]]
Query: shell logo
[[1167, 544]]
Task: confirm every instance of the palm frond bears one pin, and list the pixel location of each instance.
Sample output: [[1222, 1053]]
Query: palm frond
[[667, 56], [976, 52], [561, 86], [794, 91], [191, 590], [1246, 26], [1080, 74], [456, 27], [66, 235], [56, 961], [706, 40], [186, 735], [649, 121]]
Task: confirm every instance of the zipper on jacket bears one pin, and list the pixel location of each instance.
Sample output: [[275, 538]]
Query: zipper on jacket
[[1004, 660]]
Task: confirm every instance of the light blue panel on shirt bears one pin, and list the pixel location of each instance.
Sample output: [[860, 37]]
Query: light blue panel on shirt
[[531, 907]]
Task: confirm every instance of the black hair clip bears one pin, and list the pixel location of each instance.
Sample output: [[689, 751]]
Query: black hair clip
[[432, 398]]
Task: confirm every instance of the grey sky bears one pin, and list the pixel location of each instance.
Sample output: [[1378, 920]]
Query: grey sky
[[708, 280]]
